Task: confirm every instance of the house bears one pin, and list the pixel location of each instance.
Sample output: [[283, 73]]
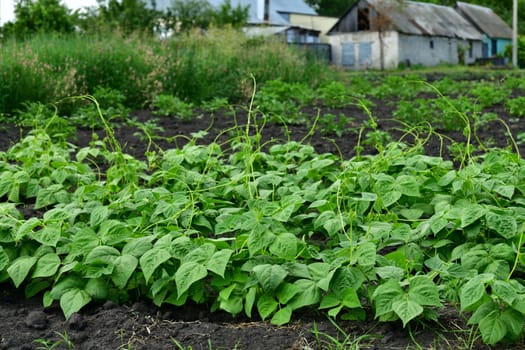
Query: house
[[496, 33], [387, 33], [268, 17]]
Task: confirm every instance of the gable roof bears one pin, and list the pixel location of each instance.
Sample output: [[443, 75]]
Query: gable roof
[[278, 8], [485, 20], [418, 18]]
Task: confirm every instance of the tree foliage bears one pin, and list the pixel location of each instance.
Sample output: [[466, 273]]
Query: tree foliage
[[126, 15], [185, 15], [39, 16]]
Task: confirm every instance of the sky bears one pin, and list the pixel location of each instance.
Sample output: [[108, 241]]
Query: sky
[[7, 6]]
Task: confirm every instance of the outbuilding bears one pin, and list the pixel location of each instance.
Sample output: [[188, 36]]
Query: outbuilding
[[497, 34], [383, 34]]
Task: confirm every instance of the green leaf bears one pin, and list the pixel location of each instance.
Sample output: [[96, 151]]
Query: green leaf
[[514, 322], [260, 238], [98, 215], [505, 291], [473, 290], [423, 291], [351, 299], [406, 309], [482, 311], [4, 259], [97, 288], [408, 185], [49, 235], [385, 295], [366, 253], [123, 268], [73, 300], [250, 301], [329, 300], [218, 261], [112, 232], [152, 259], [266, 305], [187, 274], [47, 265], [282, 316], [102, 255], [470, 214], [492, 328], [390, 272], [505, 225], [19, 269], [138, 246], [284, 246], [181, 246], [286, 291], [27, 228], [309, 294], [270, 276]]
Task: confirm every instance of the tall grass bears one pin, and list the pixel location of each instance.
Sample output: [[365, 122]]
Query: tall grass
[[195, 67]]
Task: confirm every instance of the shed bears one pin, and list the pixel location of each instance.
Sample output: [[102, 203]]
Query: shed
[[496, 33], [387, 33]]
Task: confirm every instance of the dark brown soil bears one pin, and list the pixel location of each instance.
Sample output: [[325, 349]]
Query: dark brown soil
[[25, 324]]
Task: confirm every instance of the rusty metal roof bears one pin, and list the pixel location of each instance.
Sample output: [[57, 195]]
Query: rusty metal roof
[[485, 20], [419, 18]]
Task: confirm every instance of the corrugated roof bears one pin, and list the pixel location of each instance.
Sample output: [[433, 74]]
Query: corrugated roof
[[485, 20], [420, 18], [255, 14]]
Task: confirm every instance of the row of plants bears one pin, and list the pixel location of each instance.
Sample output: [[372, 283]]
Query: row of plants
[[394, 236]]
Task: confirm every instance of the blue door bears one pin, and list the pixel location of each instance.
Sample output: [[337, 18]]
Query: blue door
[[365, 53], [348, 54]]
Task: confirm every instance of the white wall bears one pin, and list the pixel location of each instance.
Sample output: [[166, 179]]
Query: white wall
[[390, 42]]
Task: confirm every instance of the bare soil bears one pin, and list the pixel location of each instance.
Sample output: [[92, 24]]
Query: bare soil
[[25, 324]]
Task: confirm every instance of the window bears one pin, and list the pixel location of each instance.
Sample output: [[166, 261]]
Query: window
[[363, 20], [431, 43], [470, 49]]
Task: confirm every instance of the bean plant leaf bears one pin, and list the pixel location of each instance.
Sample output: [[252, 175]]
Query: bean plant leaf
[[250, 301], [423, 291], [19, 269], [98, 215], [187, 274], [407, 309], [309, 294], [408, 185], [266, 305], [4, 259], [270, 276], [47, 265], [504, 225], [492, 328], [284, 246], [123, 268], [282, 316], [385, 295], [473, 290], [152, 259], [73, 300], [49, 235], [219, 261], [471, 214]]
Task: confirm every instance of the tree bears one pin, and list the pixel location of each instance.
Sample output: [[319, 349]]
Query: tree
[[229, 15], [39, 16], [185, 15], [331, 8], [127, 15]]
